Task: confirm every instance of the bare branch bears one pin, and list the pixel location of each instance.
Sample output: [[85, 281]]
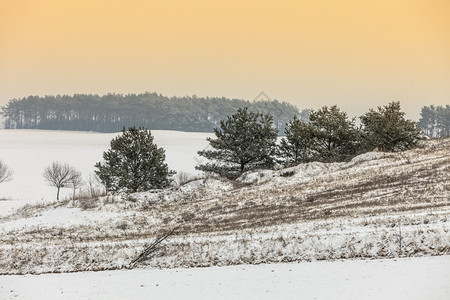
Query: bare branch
[[153, 247], [6, 173]]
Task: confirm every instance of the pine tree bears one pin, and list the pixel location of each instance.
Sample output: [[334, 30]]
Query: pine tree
[[134, 163], [427, 121], [334, 136], [295, 148], [387, 129], [245, 141], [443, 121]]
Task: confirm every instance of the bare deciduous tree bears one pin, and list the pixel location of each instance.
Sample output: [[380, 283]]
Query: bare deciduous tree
[[77, 182], [62, 175], [95, 187], [5, 172]]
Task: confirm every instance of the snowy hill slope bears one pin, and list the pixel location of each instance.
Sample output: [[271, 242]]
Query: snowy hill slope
[[377, 205]]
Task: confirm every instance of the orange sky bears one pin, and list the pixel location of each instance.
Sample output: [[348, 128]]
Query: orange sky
[[357, 54]]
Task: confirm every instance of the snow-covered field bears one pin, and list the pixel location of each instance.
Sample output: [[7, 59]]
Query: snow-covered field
[[379, 205], [400, 279], [28, 152]]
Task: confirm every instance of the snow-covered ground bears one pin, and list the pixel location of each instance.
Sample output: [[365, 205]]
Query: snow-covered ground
[[397, 279], [379, 205], [28, 152]]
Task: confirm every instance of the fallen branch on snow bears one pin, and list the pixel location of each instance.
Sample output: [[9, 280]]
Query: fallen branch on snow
[[152, 248]]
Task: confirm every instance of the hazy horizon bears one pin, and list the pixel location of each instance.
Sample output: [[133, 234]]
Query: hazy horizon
[[356, 54]]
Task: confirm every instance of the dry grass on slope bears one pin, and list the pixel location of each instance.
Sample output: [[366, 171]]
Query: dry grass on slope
[[409, 182]]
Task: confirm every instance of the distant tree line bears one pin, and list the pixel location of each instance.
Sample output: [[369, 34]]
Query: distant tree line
[[435, 121], [113, 112]]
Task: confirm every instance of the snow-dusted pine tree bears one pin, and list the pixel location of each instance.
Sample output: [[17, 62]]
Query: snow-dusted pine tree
[[329, 136], [245, 141], [134, 163], [334, 135], [387, 129], [295, 147]]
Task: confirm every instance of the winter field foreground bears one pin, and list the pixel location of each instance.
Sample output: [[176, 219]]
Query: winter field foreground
[[396, 279], [377, 206]]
